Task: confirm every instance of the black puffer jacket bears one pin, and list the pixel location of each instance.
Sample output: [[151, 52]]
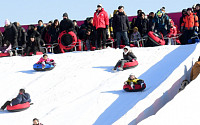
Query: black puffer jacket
[[54, 33], [142, 25], [129, 56], [120, 22], [32, 32], [21, 38], [37, 43], [10, 34], [67, 25]]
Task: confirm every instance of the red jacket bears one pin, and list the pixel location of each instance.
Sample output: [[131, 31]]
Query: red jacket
[[190, 21], [173, 29], [100, 19]]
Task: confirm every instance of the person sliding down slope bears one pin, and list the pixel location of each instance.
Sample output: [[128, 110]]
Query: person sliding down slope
[[128, 56], [21, 98], [45, 60]]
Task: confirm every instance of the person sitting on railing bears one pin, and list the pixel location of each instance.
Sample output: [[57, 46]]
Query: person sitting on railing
[[135, 36], [189, 25], [34, 44], [6, 48]]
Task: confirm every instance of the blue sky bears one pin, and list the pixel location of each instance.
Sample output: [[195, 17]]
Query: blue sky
[[29, 11]]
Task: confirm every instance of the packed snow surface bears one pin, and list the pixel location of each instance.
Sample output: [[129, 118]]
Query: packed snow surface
[[82, 89]]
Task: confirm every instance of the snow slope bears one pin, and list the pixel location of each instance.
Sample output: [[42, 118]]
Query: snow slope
[[82, 89], [182, 110]]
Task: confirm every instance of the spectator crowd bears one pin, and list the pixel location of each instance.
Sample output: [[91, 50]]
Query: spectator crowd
[[96, 31]]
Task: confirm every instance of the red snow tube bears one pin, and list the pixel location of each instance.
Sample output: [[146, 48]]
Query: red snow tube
[[18, 107], [128, 65], [79, 45], [67, 40], [4, 54], [137, 87], [156, 38]]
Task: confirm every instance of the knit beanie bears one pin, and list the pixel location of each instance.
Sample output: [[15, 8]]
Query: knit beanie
[[7, 22]]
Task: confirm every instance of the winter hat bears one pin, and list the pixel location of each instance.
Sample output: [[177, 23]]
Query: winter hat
[[121, 7], [7, 22], [65, 15], [159, 12], [99, 5]]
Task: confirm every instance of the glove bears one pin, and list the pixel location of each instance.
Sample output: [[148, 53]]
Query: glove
[[196, 28], [125, 82]]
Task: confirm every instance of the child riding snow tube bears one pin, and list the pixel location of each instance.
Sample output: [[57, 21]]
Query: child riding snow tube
[[133, 84], [44, 64], [18, 107]]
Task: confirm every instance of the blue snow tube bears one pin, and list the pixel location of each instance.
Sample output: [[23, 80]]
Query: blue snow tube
[[38, 67]]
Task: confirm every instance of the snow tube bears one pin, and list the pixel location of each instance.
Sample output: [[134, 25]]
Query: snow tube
[[79, 47], [137, 87], [18, 107], [38, 67], [37, 53], [156, 38], [129, 65], [4, 54], [67, 40]]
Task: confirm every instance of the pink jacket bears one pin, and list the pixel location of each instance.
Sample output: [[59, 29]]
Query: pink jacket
[[43, 60]]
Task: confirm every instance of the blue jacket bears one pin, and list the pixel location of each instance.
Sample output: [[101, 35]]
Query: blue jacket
[[161, 23], [21, 98]]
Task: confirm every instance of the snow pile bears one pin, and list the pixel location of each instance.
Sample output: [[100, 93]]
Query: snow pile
[[81, 89]]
